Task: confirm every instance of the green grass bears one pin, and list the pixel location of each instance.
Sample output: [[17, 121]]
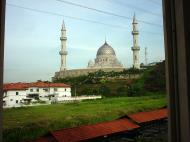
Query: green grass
[[28, 123]]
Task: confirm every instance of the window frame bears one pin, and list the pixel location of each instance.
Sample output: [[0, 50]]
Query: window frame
[[176, 33]]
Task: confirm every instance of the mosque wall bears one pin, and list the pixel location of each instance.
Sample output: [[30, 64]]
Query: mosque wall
[[79, 72]]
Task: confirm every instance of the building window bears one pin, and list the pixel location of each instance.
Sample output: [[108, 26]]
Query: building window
[[17, 101], [31, 90], [5, 94], [45, 89], [4, 103], [37, 89], [55, 89], [17, 93]]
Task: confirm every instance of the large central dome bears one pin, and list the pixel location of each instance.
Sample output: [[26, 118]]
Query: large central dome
[[105, 58], [105, 49]]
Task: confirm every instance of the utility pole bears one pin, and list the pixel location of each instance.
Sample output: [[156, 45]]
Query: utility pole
[[145, 53]]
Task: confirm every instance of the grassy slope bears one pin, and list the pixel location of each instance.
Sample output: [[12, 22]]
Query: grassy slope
[[113, 85], [27, 123]]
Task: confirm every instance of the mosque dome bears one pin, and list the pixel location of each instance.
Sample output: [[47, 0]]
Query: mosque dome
[[105, 49]]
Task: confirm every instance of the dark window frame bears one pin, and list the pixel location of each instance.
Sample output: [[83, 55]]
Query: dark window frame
[[55, 89], [176, 34], [176, 27]]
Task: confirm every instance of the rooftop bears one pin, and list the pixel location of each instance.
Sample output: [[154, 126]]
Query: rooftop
[[142, 117], [25, 86]]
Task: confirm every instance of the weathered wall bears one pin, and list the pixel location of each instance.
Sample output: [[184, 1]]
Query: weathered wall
[[79, 72]]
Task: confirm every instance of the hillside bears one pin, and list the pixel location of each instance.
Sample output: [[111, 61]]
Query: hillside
[[112, 84], [109, 84]]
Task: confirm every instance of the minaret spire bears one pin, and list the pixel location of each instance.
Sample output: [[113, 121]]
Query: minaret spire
[[135, 48], [63, 25], [63, 51]]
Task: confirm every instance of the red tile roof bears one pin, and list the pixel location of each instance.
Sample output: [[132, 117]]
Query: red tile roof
[[43, 84], [24, 86], [142, 117], [93, 131], [15, 86]]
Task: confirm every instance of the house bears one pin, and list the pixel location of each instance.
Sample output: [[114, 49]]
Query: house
[[18, 94]]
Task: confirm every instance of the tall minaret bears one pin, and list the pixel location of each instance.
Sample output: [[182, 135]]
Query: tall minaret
[[135, 48], [63, 51]]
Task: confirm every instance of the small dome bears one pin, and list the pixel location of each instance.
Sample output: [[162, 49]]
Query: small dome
[[105, 49]]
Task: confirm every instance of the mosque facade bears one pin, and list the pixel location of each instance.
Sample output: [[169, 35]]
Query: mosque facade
[[106, 59]]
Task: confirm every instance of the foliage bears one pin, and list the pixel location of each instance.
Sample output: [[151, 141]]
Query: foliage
[[122, 91], [156, 80], [104, 90], [96, 77], [152, 80]]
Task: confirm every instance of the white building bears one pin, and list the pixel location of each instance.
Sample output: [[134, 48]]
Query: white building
[[18, 94]]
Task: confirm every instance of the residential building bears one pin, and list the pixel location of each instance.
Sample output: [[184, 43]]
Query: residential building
[[18, 94]]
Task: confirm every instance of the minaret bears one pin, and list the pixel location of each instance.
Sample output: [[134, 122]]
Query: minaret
[[63, 51], [135, 48]]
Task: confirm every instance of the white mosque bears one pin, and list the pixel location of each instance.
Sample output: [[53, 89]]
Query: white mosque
[[105, 60]]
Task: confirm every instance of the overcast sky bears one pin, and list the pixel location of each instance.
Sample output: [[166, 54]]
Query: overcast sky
[[32, 41]]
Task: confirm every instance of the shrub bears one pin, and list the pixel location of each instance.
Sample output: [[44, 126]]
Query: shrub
[[104, 90], [155, 80], [135, 90], [122, 91]]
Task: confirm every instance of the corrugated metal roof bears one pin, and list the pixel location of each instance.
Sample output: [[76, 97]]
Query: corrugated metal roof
[[142, 117], [106, 128], [93, 131]]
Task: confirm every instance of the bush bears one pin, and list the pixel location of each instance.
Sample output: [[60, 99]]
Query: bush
[[104, 90], [89, 91], [122, 91], [135, 90], [155, 80]]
